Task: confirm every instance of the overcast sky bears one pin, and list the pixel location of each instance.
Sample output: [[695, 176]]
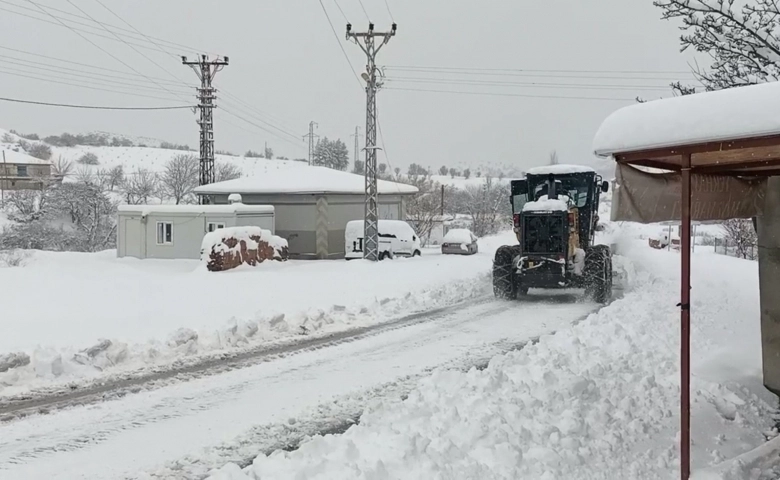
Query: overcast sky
[[285, 62]]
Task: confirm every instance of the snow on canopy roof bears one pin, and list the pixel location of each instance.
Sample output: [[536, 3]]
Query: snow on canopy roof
[[304, 180], [559, 170], [20, 158], [196, 209], [731, 114]]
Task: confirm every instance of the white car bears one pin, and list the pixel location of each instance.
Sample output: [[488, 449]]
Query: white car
[[395, 238], [459, 241]]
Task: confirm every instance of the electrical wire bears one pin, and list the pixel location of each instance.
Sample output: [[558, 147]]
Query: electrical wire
[[229, 112], [493, 94], [340, 45], [115, 27], [532, 75], [270, 125], [527, 84], [340, 10], [364, 10], [91, 107], [83, 85], [126, 43], [389, 12], [639, 72]]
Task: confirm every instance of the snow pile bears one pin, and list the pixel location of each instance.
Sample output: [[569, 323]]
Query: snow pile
[[227, 240], [545, 204], [137, 307], [458, 235], [597, 401]]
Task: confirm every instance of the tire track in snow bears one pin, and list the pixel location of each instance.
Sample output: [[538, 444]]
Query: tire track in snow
[[65, 440], [101, 390]]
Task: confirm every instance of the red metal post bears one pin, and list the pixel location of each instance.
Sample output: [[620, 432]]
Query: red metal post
[[685, 322]]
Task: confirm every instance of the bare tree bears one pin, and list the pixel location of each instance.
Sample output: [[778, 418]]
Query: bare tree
[[227, 171], [180, 177], [115, 177], [139, 186], [83, 174], [485, 205], [424, 208], [741, 233], [61, 168], [89, 158], [742, 41]]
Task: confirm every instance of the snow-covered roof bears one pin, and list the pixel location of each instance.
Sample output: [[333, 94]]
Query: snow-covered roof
[[304, 180], [559, 170], [196, 209], [21, 158], [731, 114]]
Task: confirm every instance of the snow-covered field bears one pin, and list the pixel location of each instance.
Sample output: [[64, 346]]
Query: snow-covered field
[[597, 401], [156, 311]]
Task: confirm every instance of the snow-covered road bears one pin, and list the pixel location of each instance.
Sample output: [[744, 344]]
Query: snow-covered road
[[209, 416]]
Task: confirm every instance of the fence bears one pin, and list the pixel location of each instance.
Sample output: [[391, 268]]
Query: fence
[[724, 247]]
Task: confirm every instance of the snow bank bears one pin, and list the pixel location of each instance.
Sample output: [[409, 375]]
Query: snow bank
[[728, 114], [138, 306], [458, 235], [597, 401]]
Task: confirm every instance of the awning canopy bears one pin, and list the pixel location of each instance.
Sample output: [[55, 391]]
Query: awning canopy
[[734, 132]]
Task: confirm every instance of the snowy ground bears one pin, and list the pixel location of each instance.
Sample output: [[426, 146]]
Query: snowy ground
[[185, 429], [154, 312], [597, 401]]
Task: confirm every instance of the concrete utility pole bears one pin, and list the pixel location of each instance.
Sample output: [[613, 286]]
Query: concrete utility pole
[[357, 141], [206, 70], [367, 42], [311, 136]]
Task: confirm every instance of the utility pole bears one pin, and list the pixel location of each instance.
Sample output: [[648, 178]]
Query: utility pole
[[206, 70], [311, 136], [357, 141], [367, 42]]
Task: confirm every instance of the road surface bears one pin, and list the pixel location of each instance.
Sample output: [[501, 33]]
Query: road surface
[[183, 429]]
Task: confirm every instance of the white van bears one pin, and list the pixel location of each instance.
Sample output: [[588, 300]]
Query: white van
[[395, 238]]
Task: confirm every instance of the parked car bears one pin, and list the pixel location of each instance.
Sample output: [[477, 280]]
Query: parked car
[[395, 238], [459, 241]]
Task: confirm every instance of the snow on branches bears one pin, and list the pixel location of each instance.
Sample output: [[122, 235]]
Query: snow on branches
[[742, 41]]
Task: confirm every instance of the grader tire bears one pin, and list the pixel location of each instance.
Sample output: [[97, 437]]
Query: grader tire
[[598, 274], [504, 285]]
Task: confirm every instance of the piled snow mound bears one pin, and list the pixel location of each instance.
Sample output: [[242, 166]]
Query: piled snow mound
[[227, 248], [457, 235], [597, 401], [545, 204]]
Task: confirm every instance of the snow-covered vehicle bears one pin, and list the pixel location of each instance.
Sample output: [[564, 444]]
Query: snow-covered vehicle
[[555, 214], [396, 238], [459, 241]]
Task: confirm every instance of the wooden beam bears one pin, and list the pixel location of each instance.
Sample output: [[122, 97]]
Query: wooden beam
[[679, 150]]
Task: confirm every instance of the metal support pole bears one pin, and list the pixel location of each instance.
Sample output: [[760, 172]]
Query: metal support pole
[[311, 136], [366, 41], [685, 322], [206, 70], [442, 203]]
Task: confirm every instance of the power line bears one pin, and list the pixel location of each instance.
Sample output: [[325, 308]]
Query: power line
[[340, 45], [110, 82], [125, 42], [389, 12], [70, 14], [533, 75], [364, 10], [270, 125], [527, 84], [83, 85], [340, 10], [639, 72], [91, 107], [148, 38], [493, 94]]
